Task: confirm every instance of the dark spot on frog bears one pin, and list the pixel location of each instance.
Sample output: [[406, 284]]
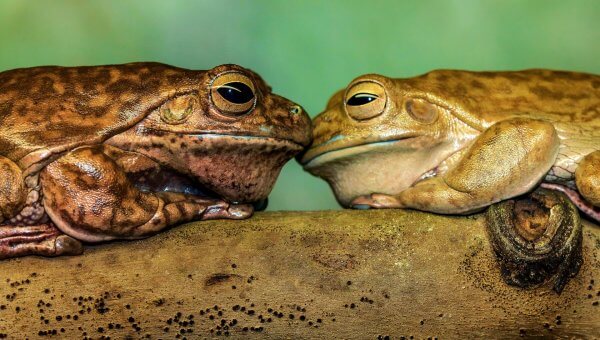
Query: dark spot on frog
[[460, 90], [544, 93], [477, 84], [442, 77]]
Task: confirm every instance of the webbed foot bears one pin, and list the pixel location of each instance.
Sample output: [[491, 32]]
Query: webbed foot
[[537, 238]]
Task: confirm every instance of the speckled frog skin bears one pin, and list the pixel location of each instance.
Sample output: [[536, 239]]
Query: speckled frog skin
[[122, 151], [454, 142]]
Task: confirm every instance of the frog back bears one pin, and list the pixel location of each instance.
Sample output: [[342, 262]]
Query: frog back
[[481, 99], [51, 109], [568, 100]]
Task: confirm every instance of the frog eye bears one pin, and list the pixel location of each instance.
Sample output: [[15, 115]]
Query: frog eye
[[233, 93], [361, 99], [236, 92], [176, 110], [365, 100], [421, 110]]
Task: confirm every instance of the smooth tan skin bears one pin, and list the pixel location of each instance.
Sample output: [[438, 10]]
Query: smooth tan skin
[[123, 151], [454, 142]]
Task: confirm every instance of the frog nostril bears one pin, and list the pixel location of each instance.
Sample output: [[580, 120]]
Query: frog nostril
[[295, 109]]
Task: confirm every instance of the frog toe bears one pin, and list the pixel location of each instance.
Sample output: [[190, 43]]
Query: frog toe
[[43, 240], [376, 201], [223, 210], [360, 206], [240, 211], [66, 245]]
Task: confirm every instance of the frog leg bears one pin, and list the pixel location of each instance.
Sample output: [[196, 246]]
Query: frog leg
[[12, 189], [587, 178], [43, 239], [508, 159], [17, 239], [88, 196]]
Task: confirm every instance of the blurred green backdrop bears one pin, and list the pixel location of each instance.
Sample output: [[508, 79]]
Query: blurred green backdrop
[[306, 49]]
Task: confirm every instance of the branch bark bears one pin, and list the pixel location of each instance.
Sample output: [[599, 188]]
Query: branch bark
[[343, 274]]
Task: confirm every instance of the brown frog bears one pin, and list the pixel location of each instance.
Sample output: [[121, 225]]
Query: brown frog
[[454, 142], [123, 151]]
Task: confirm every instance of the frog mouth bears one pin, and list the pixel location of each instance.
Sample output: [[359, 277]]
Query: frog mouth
[[249, 139], [327, 151]]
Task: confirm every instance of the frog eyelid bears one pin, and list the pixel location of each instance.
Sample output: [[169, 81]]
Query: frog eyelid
[[226, 87], [365, 95]]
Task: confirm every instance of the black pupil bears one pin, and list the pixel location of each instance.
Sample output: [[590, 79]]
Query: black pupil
[[236, 92], [361, 99]]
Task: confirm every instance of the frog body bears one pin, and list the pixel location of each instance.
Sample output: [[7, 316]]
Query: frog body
[[454, 142], [98, 153]]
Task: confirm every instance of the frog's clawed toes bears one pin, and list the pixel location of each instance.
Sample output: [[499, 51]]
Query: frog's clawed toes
[[376, 201], [537, 239], [240, 211], [228, 211]]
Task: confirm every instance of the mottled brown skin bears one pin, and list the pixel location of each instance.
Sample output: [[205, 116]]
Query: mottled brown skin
[[454, 142], [122, 151]]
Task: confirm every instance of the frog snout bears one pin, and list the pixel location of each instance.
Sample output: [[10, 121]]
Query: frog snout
[[291, 121], [302, 124]]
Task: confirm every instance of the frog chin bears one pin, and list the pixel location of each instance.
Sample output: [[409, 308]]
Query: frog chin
[[237, 168], [386, 167]]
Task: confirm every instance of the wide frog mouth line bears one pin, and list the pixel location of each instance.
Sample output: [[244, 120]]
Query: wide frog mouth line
[[324, 149], [274, 141]]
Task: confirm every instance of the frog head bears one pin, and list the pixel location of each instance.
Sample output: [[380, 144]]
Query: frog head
[[225, 129], [380, 135]]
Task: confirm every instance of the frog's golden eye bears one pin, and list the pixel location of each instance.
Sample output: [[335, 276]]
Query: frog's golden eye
[[421, 110], [176, 110], [233, 93], [365, 100], [361, 99]]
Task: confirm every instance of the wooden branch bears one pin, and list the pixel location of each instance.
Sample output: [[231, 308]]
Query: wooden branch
[[342, 274]]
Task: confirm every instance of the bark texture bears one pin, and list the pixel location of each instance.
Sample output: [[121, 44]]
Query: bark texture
[[307, 275]]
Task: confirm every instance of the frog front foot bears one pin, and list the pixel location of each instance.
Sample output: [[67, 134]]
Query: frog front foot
[[89, 197], [537, 239], [43, 239], [201, 208]]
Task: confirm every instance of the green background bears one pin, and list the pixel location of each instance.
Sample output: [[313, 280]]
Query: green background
[[305, 49]]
